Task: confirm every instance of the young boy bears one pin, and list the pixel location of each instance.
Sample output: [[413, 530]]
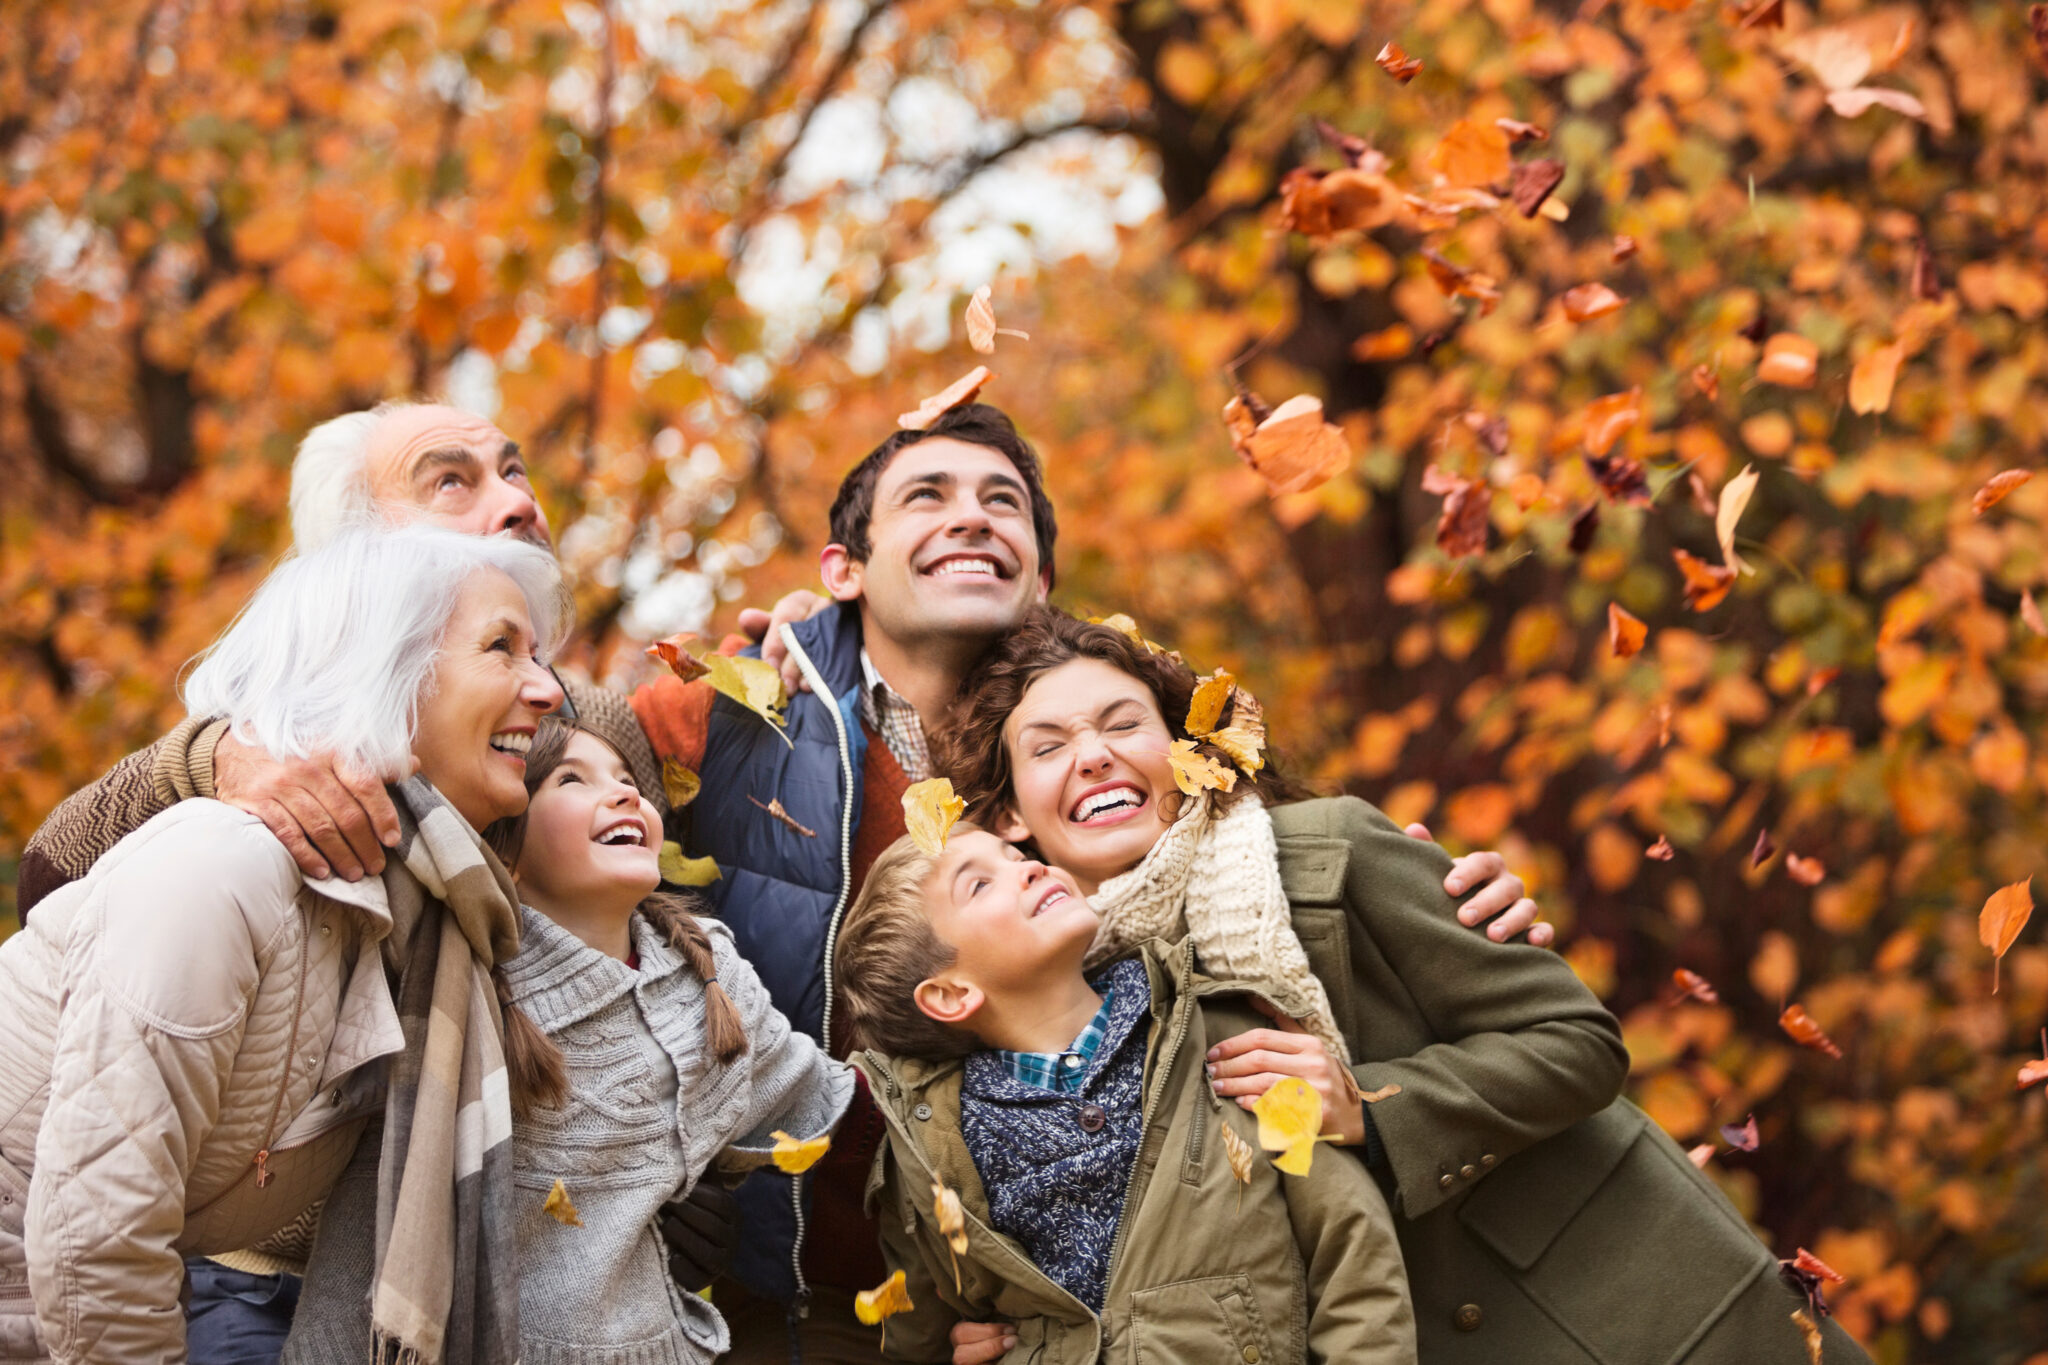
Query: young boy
[[1072, 1120]]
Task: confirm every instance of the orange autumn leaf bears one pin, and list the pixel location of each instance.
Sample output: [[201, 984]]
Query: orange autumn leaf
[[1870, 383], [1706, 585], [961, 390], [1622, 247], [1625, 634], [1692, 986], [1661, 851], [1608, 419], [981, 323], [1790, 361], [1322, 204], [1459, 283], [1805, 871], [1195, 773], [1799, 1026], [2000, 921], [1584, 302], [1397, 63], [1291, 447], [2035, 1071], [1462, 527], [884, 1301], [1472, 154], [673, 652], [1997, 488]]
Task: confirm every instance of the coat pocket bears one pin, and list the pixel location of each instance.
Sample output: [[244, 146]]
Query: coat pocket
[[1611, 1232], [19, 1338], [1189, 1321]]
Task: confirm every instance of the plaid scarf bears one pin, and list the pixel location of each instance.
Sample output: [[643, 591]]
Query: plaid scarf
[[447, 1282]]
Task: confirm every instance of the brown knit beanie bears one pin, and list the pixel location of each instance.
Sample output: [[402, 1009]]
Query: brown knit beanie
[[611, 717]]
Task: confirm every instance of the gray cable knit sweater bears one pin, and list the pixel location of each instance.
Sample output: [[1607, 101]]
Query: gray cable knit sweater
[[649, 1111]]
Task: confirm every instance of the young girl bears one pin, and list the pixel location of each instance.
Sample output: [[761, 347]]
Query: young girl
[[643, 1051], [1542, 1219]]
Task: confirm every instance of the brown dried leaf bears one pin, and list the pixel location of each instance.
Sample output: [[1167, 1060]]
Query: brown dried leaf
[[1707, 380], [1623, 247], [2000, 921], [1769, 14], [1322, 204], [951, 1218], [558, 1206], [1584, 302], [1706, 585], [2035, 1071], [1809, 1330], [1239, 1154], [775, 808], [1385, 1092], [1764, 850], [1997, 488], [1926, 279], [1584, 526], [1461, 530], [1799, 1026], [1531, 182], [1293, 449], [1398, 64], [1625, 633], [1519, 131], [1356, 151], [962, 390], [1457, 282], [1742, 1136], [1693, 986], [679, 660]]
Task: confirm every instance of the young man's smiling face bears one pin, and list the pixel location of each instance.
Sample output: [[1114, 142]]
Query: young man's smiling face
[[952, 550]]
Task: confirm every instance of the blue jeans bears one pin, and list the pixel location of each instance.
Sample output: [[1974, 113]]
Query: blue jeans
[[234, 1318]]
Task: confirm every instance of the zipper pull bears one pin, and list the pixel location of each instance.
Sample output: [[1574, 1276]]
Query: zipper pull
[[263, 1168]]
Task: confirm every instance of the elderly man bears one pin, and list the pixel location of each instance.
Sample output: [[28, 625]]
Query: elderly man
[[879, 664]]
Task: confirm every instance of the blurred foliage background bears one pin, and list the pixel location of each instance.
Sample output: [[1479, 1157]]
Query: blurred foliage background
[[696, 254]]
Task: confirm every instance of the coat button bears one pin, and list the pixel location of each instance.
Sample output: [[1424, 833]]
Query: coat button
[[1446, 1181], [1467, 1317], [1467, 1171], [923, 1111], [1489, 1161], [1091, 1118], [1251, 1355]]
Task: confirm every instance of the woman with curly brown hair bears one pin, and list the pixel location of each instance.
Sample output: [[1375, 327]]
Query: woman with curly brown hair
[[1542, 1219]]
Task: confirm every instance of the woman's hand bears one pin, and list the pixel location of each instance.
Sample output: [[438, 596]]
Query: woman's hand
[[1500, 894], [977, 1343], [1247, 1066]]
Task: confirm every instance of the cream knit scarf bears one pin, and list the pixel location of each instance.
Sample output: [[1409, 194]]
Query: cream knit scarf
[[1215, 878]]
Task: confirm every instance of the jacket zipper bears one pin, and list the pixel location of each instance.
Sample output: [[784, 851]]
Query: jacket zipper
[[1184, 1007], [291, 1055], [820, 690]]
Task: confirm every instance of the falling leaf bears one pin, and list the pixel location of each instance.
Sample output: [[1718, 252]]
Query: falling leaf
[[1661, 851], [1608, 420], [1819, 681], [1870, 383], [680, 662], [929, 810], [1839, 58], [2030, 612], [558, 1207], [781, 813], [1530, 184], [981, 325], [1291, 1123], [677, 870], [1706, 585], [1622, 479], [1809, 1330], [1997, 488], [1472, 154], [1358, 154], [1807, 1273], [1769, 14], [1398, 64], [1764, 849], [1774, 971], [1292, 448], [2035, 1071], [1735, 496], [797, 1155], [1584, 302], [1519, 131], [952, 1222], [679, 784], [1855, 103], [1790, 361], [1584, 525], [884, 1301], [1462, 527], [961, 390], [750, 682], [1693, 986], [1926, 283], [1700, 1155], [1805, 871], [1389, 343], [1799, 1025], [1707, 380], [1622, 247], [1195, 773], [1238, 1153], [1457, 282], [1385, 1092], [1322, 204], [1624, 632], [1205, 708], [1741, 1136], [2002, 918]]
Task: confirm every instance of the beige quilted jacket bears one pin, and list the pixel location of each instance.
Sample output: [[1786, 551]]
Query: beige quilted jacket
[[189, 1005]]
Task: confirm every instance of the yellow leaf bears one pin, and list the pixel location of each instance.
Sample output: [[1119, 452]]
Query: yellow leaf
[[559, 1208], [885, 1300], [1195, 773], [2001, 920], [1291, 1123], [952, 1221], [797, 1155], [679, 784], [1870, 383], [1205, 710], [750, 682], [1734, 498], [1809, 1330], [680, 871], [929, 810]]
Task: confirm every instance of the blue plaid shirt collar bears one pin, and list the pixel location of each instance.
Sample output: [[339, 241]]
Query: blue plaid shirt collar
[[1062, 1071]]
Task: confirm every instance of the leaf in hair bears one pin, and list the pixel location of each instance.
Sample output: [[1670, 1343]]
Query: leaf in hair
[[679, 784], [1195, 773], [929, 810]]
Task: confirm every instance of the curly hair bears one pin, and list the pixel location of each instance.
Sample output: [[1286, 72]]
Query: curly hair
[[970, 748]]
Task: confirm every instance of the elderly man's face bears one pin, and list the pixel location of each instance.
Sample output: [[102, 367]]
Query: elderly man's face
[[454, 469]]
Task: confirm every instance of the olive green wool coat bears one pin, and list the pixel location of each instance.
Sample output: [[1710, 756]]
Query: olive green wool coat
[[1282, 1270], [1543, 1220]]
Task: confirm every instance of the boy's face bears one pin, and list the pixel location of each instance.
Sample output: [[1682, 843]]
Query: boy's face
[[1013, 922]]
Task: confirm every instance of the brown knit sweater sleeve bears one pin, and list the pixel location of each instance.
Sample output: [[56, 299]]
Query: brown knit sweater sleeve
[[93, 820]]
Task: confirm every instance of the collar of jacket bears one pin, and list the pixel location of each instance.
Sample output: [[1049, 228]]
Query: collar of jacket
[[832, 640]]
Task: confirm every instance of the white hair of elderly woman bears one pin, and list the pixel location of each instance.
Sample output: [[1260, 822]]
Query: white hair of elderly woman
[[337, 648], [331, 476]]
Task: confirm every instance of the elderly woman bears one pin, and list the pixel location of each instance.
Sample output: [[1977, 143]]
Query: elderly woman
[[195, 1023]]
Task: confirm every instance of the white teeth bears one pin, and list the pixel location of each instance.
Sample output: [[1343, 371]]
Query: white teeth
[[512, 742], [980, 566], [623, 834], [1102, 801]]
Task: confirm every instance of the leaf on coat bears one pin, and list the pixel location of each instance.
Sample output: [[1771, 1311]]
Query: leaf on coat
[[1809, 1274], [1693, 986], [1742, 1136], [1238, 1153], [929, 810], [1584, 302], [1799, 1026], [1809, 1331], [961, 390], [1398, 64], [1805, 871], [1996, 488], [797, 1155], [1385, 1092], [781, 813], [1735, 495], [679, 784], [1706, 585], [884, 1301], [1291, 447], [981, 323], [1625, 633], [952, 1221], [2035, 1071], [558, 1207], [2002, 918], [680, 871], [1790, 361], [1195, 773], [1291, 1123]]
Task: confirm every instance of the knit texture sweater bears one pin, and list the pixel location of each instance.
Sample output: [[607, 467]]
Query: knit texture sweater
[[650, 1109], [1056, 1164]]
